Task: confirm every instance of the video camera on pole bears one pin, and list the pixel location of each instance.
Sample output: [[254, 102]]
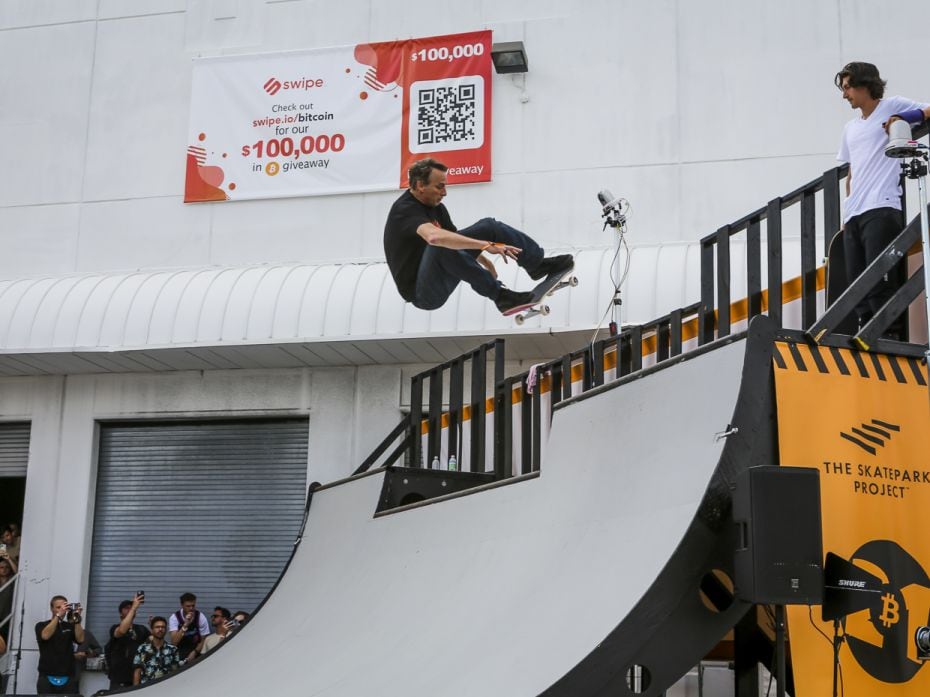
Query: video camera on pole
[[613, 209]]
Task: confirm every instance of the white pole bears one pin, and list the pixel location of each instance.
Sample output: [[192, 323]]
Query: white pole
[[925, 243]]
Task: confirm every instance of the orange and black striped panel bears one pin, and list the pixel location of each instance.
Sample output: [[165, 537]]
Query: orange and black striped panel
[[842, 361]]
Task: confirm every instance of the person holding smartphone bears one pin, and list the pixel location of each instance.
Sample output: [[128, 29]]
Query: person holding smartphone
[[223, 624], [125, 639]]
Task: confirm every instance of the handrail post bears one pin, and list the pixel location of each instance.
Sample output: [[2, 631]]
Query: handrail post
[[416, 419], [503, 429], [434, 439], [831, 206], [479, 421], [662, 341], [597, 364], [754, 268], [456, 388], [808, 260], [636, 349], [537, 424], [723, 281], [773, 242], [526, 427], [706, 311], [674, 329]]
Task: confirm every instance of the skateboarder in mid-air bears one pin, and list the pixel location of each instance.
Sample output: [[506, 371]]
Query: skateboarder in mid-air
[[428, 256]]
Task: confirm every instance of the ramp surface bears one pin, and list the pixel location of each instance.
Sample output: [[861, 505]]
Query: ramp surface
[[504, 590]]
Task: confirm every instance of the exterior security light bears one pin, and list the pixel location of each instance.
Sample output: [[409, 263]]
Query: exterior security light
[[509, 57]]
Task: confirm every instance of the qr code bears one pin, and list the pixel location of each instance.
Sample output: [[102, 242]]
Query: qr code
[[447, 114]]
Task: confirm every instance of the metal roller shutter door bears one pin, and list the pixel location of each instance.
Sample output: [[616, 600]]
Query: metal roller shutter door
[[210, 507], [14, 449]]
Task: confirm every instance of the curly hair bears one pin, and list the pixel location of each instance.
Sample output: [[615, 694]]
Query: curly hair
[[421, 169], [862, 75]]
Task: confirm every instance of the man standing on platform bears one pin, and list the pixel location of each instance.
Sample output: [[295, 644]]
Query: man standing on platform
[[872, 215]]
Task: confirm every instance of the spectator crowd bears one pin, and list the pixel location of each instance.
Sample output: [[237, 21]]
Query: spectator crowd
[[135, 653]]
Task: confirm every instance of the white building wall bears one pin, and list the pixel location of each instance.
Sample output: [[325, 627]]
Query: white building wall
[[697, 112]]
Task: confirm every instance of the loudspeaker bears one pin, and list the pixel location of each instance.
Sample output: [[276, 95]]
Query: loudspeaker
[[779, 558]]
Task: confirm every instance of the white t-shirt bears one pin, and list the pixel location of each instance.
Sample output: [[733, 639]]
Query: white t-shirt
[[874, 176]]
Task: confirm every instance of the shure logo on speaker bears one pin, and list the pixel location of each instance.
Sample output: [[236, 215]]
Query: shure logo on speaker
[[851, 584], [872, 435]]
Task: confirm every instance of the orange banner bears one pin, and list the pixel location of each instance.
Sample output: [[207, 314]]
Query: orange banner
[[863, 420]]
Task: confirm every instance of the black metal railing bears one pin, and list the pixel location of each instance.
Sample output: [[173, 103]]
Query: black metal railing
[[664, 338], [714, 312], [428, 402]]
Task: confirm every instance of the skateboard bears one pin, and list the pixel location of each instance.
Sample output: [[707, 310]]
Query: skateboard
[[546, 287], [837, 282]]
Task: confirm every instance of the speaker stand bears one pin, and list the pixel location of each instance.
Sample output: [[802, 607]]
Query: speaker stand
[[837, 645]]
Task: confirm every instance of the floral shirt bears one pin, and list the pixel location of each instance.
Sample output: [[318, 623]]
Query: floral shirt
[[156, 663]]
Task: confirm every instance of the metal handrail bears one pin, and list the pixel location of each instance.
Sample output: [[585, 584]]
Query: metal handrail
[[11, 582], [410, 428]]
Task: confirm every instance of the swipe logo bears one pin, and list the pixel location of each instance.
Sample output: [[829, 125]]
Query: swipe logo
[[876, 432], [272, 85]]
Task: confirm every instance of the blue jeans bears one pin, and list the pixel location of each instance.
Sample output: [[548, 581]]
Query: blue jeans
[[442, 269]]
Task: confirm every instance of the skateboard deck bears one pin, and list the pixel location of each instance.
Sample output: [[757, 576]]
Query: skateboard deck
[[837, 282], [549, 285]]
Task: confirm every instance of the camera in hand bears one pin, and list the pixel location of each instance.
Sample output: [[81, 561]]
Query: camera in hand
[[73, 613]]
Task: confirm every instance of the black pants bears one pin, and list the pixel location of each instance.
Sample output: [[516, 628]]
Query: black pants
[[44, 687], [866, 236]]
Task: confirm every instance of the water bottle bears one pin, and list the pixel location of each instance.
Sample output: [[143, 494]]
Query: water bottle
[[453, 463], [434, 465]]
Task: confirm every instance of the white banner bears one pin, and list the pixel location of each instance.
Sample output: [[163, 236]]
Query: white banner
[[338, 120]]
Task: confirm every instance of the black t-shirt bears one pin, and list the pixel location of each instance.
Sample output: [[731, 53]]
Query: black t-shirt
[[56, 655], [121, 650], [403, 247]]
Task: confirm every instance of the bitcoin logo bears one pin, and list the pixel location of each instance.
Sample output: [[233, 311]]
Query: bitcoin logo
[[889, 614], [272, 168]]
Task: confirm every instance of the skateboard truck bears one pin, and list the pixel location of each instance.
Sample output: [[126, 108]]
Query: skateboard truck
[[540, 308]]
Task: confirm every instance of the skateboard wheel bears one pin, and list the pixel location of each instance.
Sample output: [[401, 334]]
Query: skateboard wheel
[[519, 319], [573, 281], [544, 310]]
